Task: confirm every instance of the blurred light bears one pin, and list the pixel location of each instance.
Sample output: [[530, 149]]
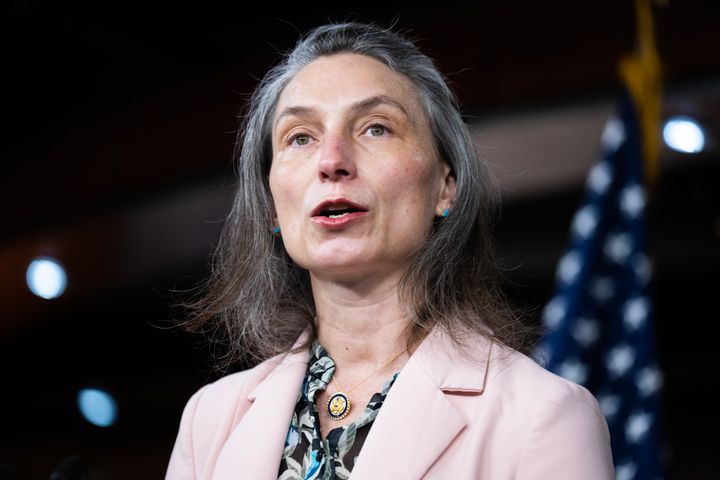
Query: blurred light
[[684, 135], [46, 278], [97, 407]]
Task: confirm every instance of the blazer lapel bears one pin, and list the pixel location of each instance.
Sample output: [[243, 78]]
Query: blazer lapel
[[418, 421], [255, 446]]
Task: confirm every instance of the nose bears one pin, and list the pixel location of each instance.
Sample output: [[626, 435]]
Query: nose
[[336, 161]]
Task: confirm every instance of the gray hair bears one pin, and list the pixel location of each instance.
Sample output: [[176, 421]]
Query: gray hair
[[257, 300]]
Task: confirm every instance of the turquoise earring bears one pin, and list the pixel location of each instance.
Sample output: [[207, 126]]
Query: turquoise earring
[[445, 213], [276, 231]]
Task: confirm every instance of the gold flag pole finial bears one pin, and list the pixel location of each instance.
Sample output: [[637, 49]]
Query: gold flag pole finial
[[640, 72]]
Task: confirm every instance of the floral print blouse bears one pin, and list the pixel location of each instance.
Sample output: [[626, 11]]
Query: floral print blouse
[[307, 456]]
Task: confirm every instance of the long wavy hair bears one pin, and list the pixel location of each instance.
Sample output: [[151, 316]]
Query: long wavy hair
[[256, 300]]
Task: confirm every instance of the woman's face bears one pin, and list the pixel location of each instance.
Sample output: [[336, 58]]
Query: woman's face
[[355, 177]]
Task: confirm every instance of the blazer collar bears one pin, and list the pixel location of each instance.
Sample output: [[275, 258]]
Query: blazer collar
[[415, 425], [255, 446], [286, 365], [418, 420], [452, 368]]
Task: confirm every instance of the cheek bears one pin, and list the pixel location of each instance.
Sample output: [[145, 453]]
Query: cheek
[[288, 211], [416, 184], [412, 198], [281, 192]]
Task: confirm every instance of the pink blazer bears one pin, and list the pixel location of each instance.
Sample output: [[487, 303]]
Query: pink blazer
[[496, 416]]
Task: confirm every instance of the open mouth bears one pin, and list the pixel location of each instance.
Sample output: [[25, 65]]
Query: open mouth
[[339, 212], [337, 208]]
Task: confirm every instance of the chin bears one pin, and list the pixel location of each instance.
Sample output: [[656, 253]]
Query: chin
[[338, 252], [338, 263]]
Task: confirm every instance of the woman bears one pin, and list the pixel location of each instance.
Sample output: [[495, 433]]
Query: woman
[[356, 267]]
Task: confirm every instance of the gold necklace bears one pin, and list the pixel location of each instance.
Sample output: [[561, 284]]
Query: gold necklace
[[338, 407]]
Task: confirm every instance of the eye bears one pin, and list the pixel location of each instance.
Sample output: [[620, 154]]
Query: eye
[[377, 130], [300, 139]]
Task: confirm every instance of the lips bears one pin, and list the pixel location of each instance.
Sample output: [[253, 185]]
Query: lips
[[337, 213], [337, 208]]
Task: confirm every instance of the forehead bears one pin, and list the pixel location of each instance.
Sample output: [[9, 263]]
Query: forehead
[[340, 80]]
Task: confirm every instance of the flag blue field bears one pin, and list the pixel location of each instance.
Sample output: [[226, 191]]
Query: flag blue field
[[600, 317]]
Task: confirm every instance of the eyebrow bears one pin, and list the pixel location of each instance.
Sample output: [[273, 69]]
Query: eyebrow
[[356, 108]]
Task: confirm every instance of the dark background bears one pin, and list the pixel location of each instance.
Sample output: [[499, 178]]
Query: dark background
[[118, 129]]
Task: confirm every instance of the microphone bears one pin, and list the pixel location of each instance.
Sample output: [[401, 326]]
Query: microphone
[[71, 468]]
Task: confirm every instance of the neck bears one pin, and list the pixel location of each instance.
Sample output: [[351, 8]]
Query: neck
[[360, 324]]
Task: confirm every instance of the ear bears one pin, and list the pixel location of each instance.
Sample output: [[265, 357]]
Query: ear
[[273, 212], [448, 191]]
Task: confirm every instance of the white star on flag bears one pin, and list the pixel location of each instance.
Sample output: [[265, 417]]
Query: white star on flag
[[554, 312], [649, 380], [600, 177], [609, 404], [585, 221], [573, 370], [613, 134], [642, 267], [569, 267], [618, 247], [637, 426], [626, 471], [620, 359], [632, 200], [586, 331], [635, 312]]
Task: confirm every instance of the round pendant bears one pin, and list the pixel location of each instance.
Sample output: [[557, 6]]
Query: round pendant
[[338, 406]]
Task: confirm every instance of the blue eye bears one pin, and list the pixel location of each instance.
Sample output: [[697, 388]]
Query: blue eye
[[377, 130]]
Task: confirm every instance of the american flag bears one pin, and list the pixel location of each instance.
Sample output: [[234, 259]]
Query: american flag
[[599, 319]]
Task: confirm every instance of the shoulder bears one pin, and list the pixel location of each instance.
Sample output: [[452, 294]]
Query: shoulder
[[225, 399], [499, 378], [509, 368], [521, 419], [559, 421], [209, 417], [533, 391], [477, 363]]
